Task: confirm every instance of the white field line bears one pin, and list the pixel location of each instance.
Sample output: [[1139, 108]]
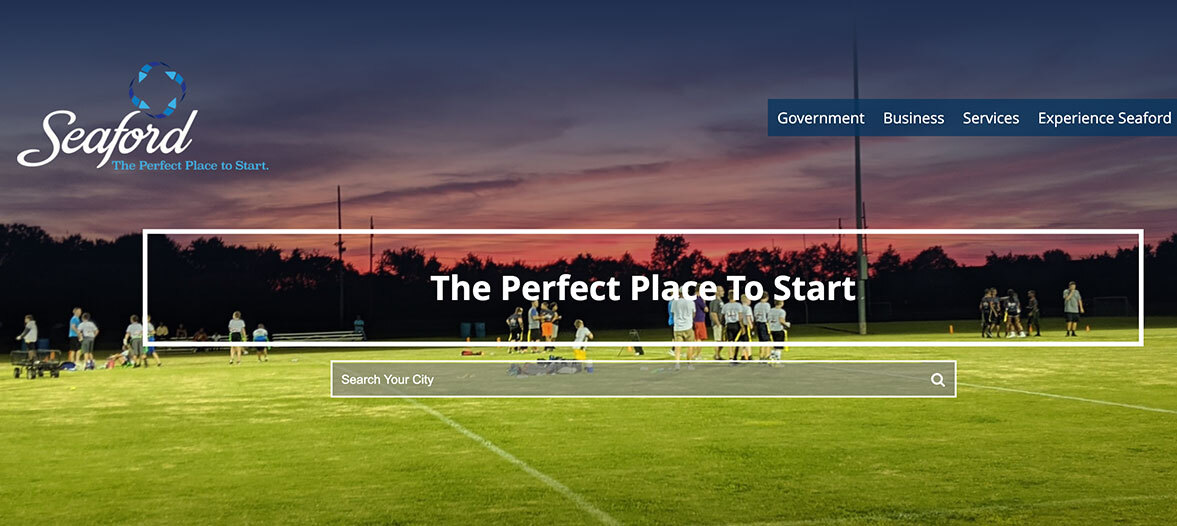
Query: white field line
[[625, 344], [1074, 398], [576, 498], [931, 515]]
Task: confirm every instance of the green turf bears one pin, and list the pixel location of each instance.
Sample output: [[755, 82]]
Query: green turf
[[199, 442]]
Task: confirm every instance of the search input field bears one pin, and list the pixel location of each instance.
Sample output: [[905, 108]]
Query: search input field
[[643, 379]]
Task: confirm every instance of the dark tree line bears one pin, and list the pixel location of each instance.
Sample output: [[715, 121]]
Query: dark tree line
[[200, 284]]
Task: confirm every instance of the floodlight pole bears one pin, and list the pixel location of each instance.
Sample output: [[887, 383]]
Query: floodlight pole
[[339, 243], [371, 267], [858, 219]]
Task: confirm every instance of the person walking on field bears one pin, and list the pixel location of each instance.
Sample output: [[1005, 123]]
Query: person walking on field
[[1072, 308], [236, 334], [715, 311], [1033, 316]]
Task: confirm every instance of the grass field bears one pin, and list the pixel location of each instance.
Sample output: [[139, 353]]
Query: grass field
[[1050, 435]]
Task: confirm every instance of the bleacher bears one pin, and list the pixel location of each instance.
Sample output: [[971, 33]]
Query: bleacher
[[327, 336]]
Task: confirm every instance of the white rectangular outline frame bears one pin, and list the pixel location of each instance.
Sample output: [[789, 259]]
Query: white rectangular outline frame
[[955, 380], [1016, 342]]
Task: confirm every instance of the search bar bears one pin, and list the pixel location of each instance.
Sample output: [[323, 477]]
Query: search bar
[[642, 379]]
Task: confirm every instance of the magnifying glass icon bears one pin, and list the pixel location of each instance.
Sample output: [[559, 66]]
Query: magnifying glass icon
[[938, 379]]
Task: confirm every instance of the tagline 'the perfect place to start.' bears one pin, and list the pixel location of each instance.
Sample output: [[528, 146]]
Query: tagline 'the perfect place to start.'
[[188, 166]]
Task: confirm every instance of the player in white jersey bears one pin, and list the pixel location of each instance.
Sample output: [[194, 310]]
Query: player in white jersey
[[733, 323], [760, 324], [87, 332], [236, 334], [778, 328], [682, 313], [133, 341], [746, 304]]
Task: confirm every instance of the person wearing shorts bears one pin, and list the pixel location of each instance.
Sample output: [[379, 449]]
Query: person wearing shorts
[[87, 332], [555, 309], [28, 337], [515, 327], [682, 313], [1013, 315], [733, 324], [746, 304], [133, 341], [260, 334], [236, 334], [150, 350], [533, 323], [545, 325], [700, 323], [760, 324], [75, 341], [715, 312], [777, 328], [1033, 315], [1072, 308]]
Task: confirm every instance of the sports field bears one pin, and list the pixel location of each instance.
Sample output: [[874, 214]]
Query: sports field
[[1037, 435]]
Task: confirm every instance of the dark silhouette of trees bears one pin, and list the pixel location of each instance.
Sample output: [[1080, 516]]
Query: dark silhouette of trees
[[201, 283]]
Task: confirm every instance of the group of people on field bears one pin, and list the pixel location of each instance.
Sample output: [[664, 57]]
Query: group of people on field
[[735, 320], [83, 331], [542, 323], [1004, 313]]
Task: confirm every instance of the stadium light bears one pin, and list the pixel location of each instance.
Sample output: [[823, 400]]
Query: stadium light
[[858, 209]]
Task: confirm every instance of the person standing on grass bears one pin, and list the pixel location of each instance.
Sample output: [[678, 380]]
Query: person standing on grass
[[75, 341], [28, 337], [583, 334], [150, 350], [555, 320], [760, 321], [87, 332], [533, 324], [1013, 313], [1072, 308], [746, 304], [133, 341], [715, 312], [1033, 316], [236, 334], [260, 334], [777, 328], [515, 328], [700, 325], [682, 313], [733, 323], [545, 325]]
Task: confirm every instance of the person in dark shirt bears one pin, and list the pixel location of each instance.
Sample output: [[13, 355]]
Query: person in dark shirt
[[986, 307], [1033, 316], [515, 328], [1013, 315]]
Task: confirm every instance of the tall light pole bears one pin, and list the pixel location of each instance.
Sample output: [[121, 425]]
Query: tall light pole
[[858, 219], [339, 243]]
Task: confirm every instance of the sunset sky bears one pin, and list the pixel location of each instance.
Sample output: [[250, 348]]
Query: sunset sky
[[598, 116]]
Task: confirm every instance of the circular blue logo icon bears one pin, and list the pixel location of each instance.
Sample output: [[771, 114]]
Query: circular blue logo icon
[[144, 73]]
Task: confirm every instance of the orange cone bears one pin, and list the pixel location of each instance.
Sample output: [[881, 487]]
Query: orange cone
[[951, 330], [1088, 328]]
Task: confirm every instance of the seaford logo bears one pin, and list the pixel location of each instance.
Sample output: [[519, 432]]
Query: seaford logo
[[126, 139], [144, 73]]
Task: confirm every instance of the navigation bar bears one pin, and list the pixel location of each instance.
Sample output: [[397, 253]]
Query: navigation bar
[[971, 117]]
